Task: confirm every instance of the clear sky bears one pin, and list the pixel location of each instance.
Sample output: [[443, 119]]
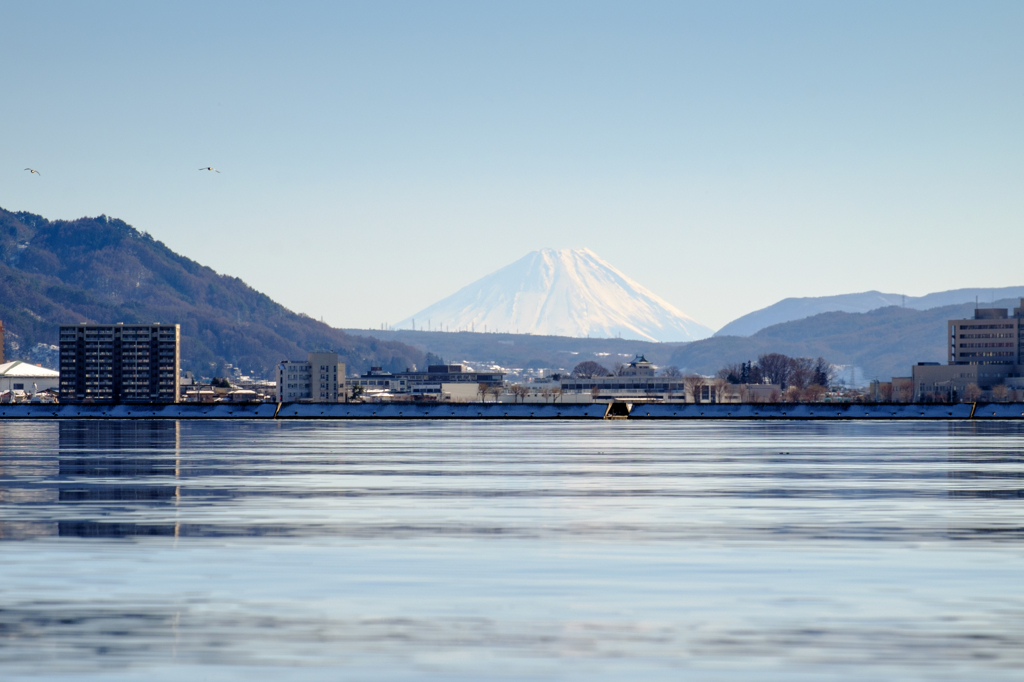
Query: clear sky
[[377, 156]]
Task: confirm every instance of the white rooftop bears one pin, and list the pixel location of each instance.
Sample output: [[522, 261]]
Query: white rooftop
[[18, 368]]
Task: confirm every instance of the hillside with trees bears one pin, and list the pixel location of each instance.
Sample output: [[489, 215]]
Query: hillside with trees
[[885, 342], [103, 270], [554, 353]]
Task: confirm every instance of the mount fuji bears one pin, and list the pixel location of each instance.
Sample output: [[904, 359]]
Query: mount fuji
[[565, 292]]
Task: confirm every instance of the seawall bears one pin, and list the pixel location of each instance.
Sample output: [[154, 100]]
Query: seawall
[[641, 411]]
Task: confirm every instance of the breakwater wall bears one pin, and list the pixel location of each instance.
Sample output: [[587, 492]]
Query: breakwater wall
[[640, 411], [819, 411], [309, 411]]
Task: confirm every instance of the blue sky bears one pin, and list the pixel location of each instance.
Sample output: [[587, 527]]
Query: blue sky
[[377, 156]]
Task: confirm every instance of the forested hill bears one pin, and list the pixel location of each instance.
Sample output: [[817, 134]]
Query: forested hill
[[884, 343], [104, 270]]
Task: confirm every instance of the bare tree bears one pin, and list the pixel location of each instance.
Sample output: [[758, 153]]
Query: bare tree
[[671, 371], [556, 394], [694, 383], [775, 396], [481, 389], [801, 372], [792, 394], [720, 386], [496, 392], [744, 393], [1000, 393], [903, 391], [595, 391], [814, 393], [732, 373], [519, 392], [619, 369], [588, 369], [971, 393], [776, 368], [885, 391]]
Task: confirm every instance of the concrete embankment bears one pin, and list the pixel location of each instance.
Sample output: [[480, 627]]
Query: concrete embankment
[[309, 411], [640, 411], [440, 411], [818, 411], [179, 411]]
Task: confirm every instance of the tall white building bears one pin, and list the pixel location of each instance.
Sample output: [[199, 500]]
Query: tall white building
[[319, 379]]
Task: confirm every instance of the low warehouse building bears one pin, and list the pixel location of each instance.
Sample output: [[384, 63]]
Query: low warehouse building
[[22, 376]]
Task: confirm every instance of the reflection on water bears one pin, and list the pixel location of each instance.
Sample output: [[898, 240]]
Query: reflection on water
[[514, 550]]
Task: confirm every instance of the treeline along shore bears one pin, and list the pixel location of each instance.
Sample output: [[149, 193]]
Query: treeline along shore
[[462, 411]]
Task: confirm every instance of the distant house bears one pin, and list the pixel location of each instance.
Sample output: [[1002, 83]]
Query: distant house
[[637, 381], [439, 382], [634, 381], [21, 376]]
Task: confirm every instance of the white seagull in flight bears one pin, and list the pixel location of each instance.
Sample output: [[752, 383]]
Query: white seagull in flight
[[33, 170], [210, 168]]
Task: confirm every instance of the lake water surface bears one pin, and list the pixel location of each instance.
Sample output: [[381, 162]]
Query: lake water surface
[[511, 550]]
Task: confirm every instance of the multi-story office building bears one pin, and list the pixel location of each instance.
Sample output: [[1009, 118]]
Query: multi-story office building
[[314, 380], [119, 363], [991, 338], [985, 351]]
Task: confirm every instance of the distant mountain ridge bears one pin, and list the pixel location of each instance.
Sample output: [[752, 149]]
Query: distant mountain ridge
[[884, 342], [104, 270], [567, 292], [789, 309]]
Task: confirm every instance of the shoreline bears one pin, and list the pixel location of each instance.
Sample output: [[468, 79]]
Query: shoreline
[[546, 411]]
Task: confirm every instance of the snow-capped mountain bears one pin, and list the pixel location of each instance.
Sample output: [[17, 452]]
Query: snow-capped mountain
[[566, 292]]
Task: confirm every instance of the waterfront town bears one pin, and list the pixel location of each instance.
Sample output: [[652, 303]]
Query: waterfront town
[[132, 364]]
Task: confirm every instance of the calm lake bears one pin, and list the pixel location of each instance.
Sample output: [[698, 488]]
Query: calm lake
[[615, 550]]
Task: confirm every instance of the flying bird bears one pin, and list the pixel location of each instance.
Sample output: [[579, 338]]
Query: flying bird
[[210, 168], [33, 170]]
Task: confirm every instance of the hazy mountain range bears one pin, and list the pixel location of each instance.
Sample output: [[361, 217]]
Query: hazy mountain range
[[104, 270], [566, 292], [883, 343], [789, 309]]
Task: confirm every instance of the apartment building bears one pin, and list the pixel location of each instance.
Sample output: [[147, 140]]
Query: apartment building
[[119, 363], [318, 379]]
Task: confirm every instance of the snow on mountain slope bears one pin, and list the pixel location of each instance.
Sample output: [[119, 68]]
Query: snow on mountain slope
[[567, 292], [789, 309]]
